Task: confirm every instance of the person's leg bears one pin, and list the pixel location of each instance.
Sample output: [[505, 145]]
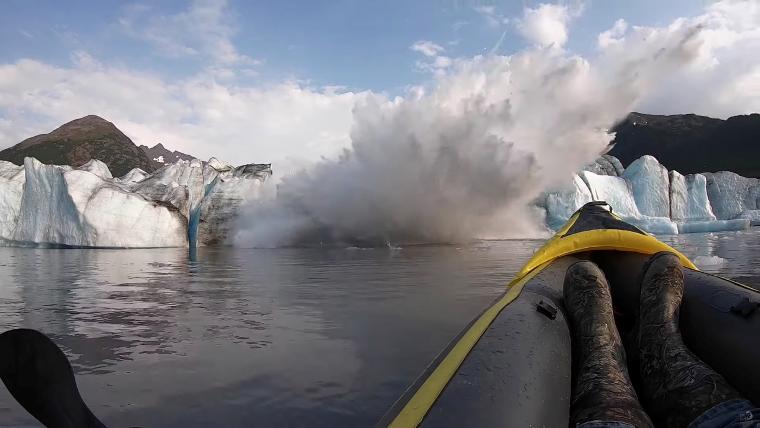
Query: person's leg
[[677, 387], [602, 392]]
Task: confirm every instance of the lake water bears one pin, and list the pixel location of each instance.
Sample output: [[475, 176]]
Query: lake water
[[241, 337]]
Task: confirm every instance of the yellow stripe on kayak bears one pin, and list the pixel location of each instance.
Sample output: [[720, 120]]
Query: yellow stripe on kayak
[[418, 406], [597, 240]]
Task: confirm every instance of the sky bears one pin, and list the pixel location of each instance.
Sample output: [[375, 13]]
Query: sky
[[252, 81]]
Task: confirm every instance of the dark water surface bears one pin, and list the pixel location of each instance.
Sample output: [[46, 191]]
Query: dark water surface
[[240, 337]]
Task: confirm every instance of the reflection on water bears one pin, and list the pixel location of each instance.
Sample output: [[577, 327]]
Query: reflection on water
[[236, 337], [269, 337]]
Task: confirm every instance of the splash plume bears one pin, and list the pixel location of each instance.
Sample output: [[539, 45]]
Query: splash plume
[[467, 158]]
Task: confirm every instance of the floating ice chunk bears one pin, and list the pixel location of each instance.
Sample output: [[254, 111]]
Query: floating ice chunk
[[655, 225], [713, 226], [752, 215], [731, 194], [614, 190], [650, 186], [561, 204], [98, 168], [706, 261]]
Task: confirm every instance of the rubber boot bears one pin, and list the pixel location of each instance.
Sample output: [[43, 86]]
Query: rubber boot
[[676, 385], [602, 390]]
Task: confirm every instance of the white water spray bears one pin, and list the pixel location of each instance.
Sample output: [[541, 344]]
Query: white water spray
[[467, 159]]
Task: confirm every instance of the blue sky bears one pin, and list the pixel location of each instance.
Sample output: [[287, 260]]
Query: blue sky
[[283, 81], [355, 44]]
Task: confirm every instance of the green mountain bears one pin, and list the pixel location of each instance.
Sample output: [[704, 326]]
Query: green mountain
[[80, 140]]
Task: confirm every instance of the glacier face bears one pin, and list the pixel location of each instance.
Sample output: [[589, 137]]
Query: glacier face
[[659, 201], [86, 207]]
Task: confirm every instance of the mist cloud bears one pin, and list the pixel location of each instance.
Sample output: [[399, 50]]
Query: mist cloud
[[466, 159]]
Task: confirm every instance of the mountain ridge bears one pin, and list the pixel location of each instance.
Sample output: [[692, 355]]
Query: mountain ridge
[[691, 143], [76, 142], [161, 155]]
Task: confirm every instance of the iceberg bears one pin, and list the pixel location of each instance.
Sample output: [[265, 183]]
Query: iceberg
[[655, 225], [614, 190], [679, 196], [650, 186], [731, 194], [698, 203], [617, 192], [659, 201], [713, 226], [560, 205], [86, 207]]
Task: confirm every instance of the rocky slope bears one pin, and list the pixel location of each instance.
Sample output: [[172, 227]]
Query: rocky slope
[[161, 155], [690, 143], [78, 141]]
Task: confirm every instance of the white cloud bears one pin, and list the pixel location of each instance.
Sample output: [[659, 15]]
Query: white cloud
[[722, 80], [285, 122], [613, 35], [434, 62], [545, 25], [204, 30], [427, 48]]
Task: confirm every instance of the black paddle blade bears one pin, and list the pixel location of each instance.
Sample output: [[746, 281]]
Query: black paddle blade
[[40, 378]]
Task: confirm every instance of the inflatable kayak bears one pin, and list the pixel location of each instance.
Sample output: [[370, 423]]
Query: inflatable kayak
[[511, 366]]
